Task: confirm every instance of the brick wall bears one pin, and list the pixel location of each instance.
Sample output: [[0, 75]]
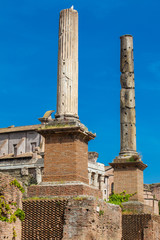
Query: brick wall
[[152, 229], [11, 194], [66, 157], [133, 226], [130, 180], [91, 219], [44, 219], [62, 190], [140, 227], [76, 219]]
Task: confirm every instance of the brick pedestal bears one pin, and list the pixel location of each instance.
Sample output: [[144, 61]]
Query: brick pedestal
[[63, 190], [66, 153], [128, 176]]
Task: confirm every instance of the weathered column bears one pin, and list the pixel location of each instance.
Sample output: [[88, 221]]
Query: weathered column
[[95, 179], [66, 138], [128, 166], [89, 177], [127, 97], [67, 86], [101, 179]]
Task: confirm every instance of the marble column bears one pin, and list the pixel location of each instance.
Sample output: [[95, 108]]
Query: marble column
[[89, 177], [67, 84], [96, 179], [127, 97], [101, 179]]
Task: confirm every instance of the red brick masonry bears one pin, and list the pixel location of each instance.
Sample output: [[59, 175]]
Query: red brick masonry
[[74, 219], [66, 154], [63, 190]]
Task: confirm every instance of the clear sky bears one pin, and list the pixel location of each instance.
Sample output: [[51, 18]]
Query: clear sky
[[28, 69]]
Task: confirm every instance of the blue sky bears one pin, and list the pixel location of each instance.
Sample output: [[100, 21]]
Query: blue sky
[[28, 69]]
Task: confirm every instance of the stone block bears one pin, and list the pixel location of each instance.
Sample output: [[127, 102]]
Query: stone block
[[127, 98], [127, 64], [128, 137], [128, 115], [127, 80], [24, 171]]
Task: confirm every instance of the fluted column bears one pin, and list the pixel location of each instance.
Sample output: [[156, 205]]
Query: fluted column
[[67, 86], [95, 179], [127, 97], [89, 177], [101, 179]]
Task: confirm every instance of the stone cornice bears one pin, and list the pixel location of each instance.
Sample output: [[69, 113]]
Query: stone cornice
[[122, 165], [66, 129]]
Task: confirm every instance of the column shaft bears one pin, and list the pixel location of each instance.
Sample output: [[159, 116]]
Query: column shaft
[[127, 96], [67, 86]]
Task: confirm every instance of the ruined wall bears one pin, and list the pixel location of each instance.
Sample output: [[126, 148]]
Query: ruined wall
[[133, 226], [26, 176], [152, 229], [44, 219], [91, 219], [155, 188], [140, 227], [11, 194], [77, 219]]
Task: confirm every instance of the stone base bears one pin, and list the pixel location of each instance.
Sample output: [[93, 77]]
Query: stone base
[[61, 190], [128, 176], [137, 207], [66, 151]]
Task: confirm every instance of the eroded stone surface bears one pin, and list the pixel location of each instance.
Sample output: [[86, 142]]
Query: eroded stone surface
[[88, 219], [127, 96], [67, 87]]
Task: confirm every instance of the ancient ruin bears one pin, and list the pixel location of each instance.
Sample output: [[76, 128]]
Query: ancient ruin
[[128, 166], [127, 98], [67, 82], [54, 164], [66, 138]]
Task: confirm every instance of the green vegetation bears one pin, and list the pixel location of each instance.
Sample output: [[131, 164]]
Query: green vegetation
[[58, 125], [14, 233], [118, 199], [78, 198], [159, 206], [17, 184], [101, 212], [131, 159], [20, 214], [44, 198], [7, 214]]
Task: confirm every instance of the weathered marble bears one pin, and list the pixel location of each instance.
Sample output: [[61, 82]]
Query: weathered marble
[[127, 97], [67, 86]]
